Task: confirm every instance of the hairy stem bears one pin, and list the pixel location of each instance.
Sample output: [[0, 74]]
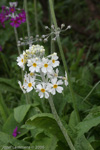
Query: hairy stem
[[64, 61], [64, 131]]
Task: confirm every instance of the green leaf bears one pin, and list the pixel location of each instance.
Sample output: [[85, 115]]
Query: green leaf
[[6, 139], [90, 121], [20, 112], [10, 82], [11, 124], [44, 142], [72, 121], [6, 88], [82, 143], [47, 122], [9, 85], [3, 107]]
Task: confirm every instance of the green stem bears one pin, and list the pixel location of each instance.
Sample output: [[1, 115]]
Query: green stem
[[27, 99], [19, 51], [63, 129], [36, 17], [16, 36], [52, 42], [27, 21], [64, 61]]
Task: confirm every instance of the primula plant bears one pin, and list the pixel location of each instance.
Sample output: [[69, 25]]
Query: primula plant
[[42, 72], [50, 88]]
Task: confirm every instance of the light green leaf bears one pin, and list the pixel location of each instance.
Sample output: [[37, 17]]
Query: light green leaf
[[73, 120], [85, 126], [20, 112]]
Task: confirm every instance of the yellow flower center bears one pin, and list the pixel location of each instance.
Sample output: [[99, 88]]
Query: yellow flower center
[[55, 86], [42, 90], [53, 61], [45, 65], [34, 64], [31, 73], [56, 75], [30, 84], [22, 60]]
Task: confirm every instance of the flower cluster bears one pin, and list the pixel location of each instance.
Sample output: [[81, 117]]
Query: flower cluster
[[16, 15], [43, 72], [52, 32], [3, 15], [28, 40]]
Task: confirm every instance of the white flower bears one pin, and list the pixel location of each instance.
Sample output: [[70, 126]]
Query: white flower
[[22, 87], [54, 61], [21, 61], [43, 90], [34, 65], [55, 86], [46, 66], [29, 83], [53, 74], [65, 79]]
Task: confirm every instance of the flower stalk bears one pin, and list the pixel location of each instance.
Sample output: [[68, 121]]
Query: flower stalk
[[36, 17], [27, 21], [64, 131], [16, 36], [64, 61]]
